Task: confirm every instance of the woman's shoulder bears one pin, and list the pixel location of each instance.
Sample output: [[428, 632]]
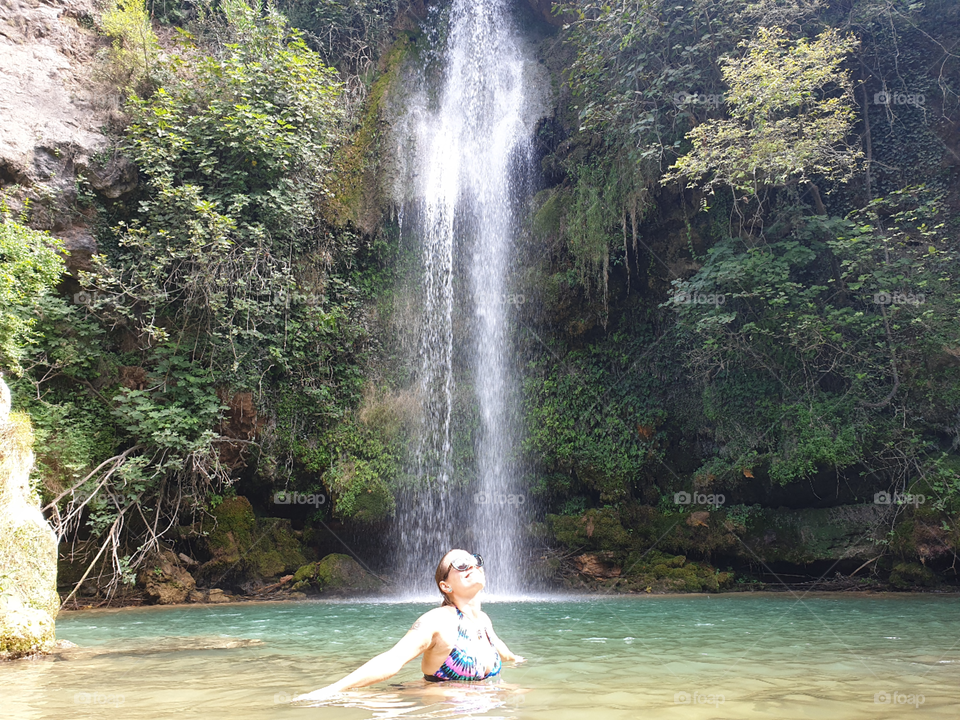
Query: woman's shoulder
[[443, 614]]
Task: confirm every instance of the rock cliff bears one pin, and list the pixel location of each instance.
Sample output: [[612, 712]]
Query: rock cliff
[[53, 115], [28, 547]]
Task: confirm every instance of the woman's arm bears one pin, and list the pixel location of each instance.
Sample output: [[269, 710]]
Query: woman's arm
[[385, 665]]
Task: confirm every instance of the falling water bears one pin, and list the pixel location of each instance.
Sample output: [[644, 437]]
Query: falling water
[[470, 154]]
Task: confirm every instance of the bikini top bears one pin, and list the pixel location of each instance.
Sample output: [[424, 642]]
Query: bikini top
[[462, 662]]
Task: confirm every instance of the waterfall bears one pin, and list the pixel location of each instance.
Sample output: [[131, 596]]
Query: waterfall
[[468, 154]]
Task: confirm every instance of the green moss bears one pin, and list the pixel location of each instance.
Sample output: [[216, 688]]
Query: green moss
[[356, 183], [243, 544], [654, 571], [906, 576], [547, 220], [596, 529], [16, 442], [28, 552], [277, 550], [233, 532], [334, 573], [803, 536]]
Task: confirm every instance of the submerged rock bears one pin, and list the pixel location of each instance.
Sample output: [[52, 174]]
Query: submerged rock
[[28, 547]]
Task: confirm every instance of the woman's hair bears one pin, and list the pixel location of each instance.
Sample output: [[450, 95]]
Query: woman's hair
[[443, 570]]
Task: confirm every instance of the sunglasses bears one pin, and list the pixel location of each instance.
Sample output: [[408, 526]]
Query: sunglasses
[[462, 565]]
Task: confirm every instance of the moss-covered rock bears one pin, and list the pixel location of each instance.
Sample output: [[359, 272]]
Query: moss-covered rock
[[907, 576], [660, 572], [360, 169], [28, 549], [243, 546], [336, 573]]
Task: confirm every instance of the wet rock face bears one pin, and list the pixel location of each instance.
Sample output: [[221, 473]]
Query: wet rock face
[[28, 547]]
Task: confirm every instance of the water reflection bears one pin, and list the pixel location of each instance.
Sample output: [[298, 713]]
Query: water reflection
[[421, 699]]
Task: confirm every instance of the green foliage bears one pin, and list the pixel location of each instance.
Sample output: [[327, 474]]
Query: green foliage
[[220, 279], [135, 47], [791, 110], [820, 332], [637, 62], [594, 416], [30, 268], [226, 267]]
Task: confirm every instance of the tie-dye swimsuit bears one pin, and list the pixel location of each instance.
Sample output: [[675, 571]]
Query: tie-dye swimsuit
[[462, 663]]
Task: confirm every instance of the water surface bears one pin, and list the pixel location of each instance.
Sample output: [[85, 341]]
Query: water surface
[[729, 656]]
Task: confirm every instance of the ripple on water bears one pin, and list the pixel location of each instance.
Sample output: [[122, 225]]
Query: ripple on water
[[832, 659]]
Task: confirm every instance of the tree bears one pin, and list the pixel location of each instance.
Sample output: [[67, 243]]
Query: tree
[[791, 111], [30, 268]]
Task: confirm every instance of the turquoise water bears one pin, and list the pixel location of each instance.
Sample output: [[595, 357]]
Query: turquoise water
[[727, 656]]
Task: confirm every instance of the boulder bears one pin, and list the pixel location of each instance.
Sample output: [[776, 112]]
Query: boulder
[[164, 581], [113, 179], [213, 595], [911, 576], [599, 565], [216, 595], [28, 546], [245, 548], [336, 574]]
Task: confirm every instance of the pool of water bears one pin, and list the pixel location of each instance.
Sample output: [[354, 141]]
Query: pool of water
[[727, 656]]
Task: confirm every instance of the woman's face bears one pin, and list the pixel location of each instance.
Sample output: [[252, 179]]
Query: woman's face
[[464, 582]]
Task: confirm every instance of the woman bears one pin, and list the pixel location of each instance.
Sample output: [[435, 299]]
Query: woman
[[456, 639]]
